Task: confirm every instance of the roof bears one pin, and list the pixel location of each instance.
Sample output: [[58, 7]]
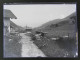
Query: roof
[[9, 14]]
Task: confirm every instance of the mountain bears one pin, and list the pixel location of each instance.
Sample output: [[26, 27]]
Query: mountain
[[16, 27], [60, 27], [57, 20]]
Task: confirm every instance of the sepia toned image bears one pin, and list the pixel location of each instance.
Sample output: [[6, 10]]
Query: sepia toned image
[[40, 30]]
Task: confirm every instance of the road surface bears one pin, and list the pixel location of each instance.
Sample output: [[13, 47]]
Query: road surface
[[29, 49]]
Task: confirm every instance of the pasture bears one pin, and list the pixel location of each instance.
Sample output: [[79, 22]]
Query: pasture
[[62, 47]]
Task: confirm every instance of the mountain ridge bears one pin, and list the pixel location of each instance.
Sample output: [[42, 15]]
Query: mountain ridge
[[56, 21]]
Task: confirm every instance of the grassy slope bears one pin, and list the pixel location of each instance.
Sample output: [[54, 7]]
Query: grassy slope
[[61, 47], [16, 26], [57, 20], [64, 26]]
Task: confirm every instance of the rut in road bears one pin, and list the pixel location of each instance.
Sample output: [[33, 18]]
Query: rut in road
[[29, 49]]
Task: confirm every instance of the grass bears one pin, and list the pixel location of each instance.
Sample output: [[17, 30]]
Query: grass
[[12, 48], [58, 48]]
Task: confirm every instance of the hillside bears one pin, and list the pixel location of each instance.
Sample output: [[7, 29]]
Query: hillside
[[62, 47], [57, 21], [60, 26], [15, 26]]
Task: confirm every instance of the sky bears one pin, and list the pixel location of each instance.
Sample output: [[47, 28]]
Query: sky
[[34, 15]]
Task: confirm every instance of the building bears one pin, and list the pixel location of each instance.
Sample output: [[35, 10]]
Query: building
[[27, 29], [7, 15]]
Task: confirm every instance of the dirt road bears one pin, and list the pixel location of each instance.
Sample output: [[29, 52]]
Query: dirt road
[[29, 49]]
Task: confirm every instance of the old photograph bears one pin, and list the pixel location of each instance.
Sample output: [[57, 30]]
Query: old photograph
[[40, 30]]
